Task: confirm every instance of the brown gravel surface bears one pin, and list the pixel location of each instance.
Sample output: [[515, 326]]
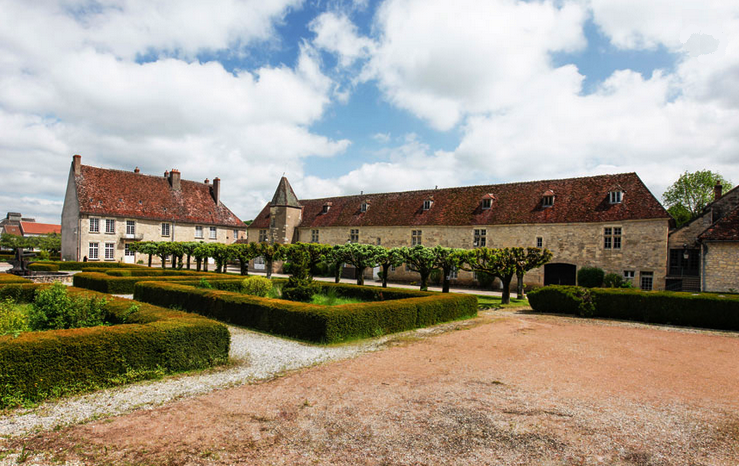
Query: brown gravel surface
[[507, 388]]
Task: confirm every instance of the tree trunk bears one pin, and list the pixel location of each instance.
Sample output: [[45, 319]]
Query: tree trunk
[[519, 287], [198, 263], [164, 263], [337, 273], [188, 262], [205, 264], [360, 276], [174, 262], [150, 260], [385, 271], [244, 266], [506, 299], [268, 265], [445, 286], [425, 280]]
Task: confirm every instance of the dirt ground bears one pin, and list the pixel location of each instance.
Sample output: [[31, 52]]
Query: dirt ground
[[513, 388]]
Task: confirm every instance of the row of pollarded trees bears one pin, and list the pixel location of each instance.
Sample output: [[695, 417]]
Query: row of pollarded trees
[[503, 263]]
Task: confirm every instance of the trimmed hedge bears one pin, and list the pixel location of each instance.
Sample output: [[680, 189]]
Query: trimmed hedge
[[706, 310], [321, 324], [72, 265], [6, 257], [11, 278], [43, 267], [105, 283], [37, 365]]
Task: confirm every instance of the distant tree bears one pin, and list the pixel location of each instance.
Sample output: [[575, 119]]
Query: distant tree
[[244, 253], [387, 258], [361, 256], [145, 247], [336, 257], [201, 253], [222, 253], [422, 259], [499, 263], [448, 260], [270, 253], [692, 192], [304, 257], [187, 250]]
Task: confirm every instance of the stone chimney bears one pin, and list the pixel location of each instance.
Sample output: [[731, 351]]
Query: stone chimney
[[77, 165], [136, 170], [166, 174], [717, 191], [216, 190], [174, 179]]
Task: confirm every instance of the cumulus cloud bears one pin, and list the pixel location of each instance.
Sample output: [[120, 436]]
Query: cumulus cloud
[[72, 81]]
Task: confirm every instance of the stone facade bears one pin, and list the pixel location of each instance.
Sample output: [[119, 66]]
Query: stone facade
[[721, 267]]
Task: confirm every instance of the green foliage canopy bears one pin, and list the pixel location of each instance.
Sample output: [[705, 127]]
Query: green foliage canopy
[[691, 193]]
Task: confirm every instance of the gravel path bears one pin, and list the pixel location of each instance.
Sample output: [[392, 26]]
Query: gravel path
[[254, 356]]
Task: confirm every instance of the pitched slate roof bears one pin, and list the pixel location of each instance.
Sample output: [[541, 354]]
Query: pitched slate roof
[[284, 195], [33, 228], [118, 193], [577, 200], [726, 229]]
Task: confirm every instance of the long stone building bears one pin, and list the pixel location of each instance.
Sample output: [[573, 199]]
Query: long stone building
[[106, 210], [610, 221]]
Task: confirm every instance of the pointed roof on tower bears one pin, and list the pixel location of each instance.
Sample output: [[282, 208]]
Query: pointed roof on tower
[[284, 195]]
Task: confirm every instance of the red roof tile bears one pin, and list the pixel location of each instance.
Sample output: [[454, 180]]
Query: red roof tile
[[120, 193], [726, 229], [14, 230], [577, 200], [33, 228]]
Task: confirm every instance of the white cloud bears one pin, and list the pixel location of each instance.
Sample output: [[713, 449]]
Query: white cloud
[[381, 137], [69, 83], [336, 33]]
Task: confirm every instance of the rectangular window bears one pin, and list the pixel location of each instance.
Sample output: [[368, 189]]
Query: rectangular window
[[109, 225], [236, 235], [259, 263], [453, 274], [612, 238], [647, 280], [262, 236], [364, 207], [109, 251], [165, 229], [130, 228], [314, 236], [94, 225], [93, 253], [354, 236], [629, 275], [480, 239], [272, 223], [426, 205], [198, 231], [614, 197], [539, 242], [379, 241], [213, 233], [127, 251], [416, 237], [486, 203], [547, 201]]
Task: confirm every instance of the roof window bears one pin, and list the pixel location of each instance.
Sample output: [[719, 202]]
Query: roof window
[[427, 204], [364, 206], [326, 208], [615, 196], [487, 201], [547, 199]]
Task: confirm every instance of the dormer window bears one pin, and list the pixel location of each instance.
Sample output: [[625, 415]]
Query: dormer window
[[325, 208], [427, 204], [487, 201], [547, 200], [364, 207], [615, 197]]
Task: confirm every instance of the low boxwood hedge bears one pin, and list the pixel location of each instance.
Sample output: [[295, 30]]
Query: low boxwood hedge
[[6, 257], [708, 310], [10, 278], [107, 283], [37, 365], [72, 265], [388, 312], [43, 267]]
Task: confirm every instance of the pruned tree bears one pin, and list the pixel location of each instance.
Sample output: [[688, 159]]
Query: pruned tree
[[387, 258], [526, 260], [499, 263], [222, 254], [304, 257], [244, 253], [270, 253], [422, 259], [201, 253], [187, 250], [692, 192], [361, 256], [448, 260], [336, 257], [145, 247]]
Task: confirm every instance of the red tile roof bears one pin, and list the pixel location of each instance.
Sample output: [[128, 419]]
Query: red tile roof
[[577, 200], [33, 228], [726, 229], [14, 230], [120, 193]]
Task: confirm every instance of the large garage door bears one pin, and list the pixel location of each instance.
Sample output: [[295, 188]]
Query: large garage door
[[560, 274]]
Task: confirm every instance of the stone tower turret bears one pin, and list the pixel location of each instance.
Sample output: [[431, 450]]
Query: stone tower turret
[[285, 213]]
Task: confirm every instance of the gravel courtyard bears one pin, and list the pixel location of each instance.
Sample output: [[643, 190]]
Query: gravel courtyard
[[505, 388]]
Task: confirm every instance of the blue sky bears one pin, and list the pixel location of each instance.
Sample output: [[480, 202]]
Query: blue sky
[[349, 96]]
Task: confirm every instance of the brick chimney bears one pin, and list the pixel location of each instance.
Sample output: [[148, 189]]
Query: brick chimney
[[717, 191], [216, 189], [174, 179], [77, 165]]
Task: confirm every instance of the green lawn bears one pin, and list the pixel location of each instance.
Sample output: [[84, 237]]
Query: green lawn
[[484, 302]]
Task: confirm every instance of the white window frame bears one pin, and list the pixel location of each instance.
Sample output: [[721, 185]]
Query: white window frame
[[615, 197], [453, 274], [364, 207], [213, 233], [547, 201], [612, 238], [130, 228], [539, 242], [109, 251], [93, 251], [199, 231], [646, 277], [314, 236], [416, 237], [259, 263], [236, 235], [354, 236], [109, 226], [479, 238], [94, 225], [487, 204], [427, 204], [629, 275], [262, 236], [127, 251], [166, 229]]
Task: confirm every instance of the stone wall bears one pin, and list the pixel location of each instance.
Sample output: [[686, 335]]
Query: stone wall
[[721, 262], [70, 220]]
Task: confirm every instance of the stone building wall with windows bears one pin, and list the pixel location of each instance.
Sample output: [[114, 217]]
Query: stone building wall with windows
[[612, 222], [106, 210]]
